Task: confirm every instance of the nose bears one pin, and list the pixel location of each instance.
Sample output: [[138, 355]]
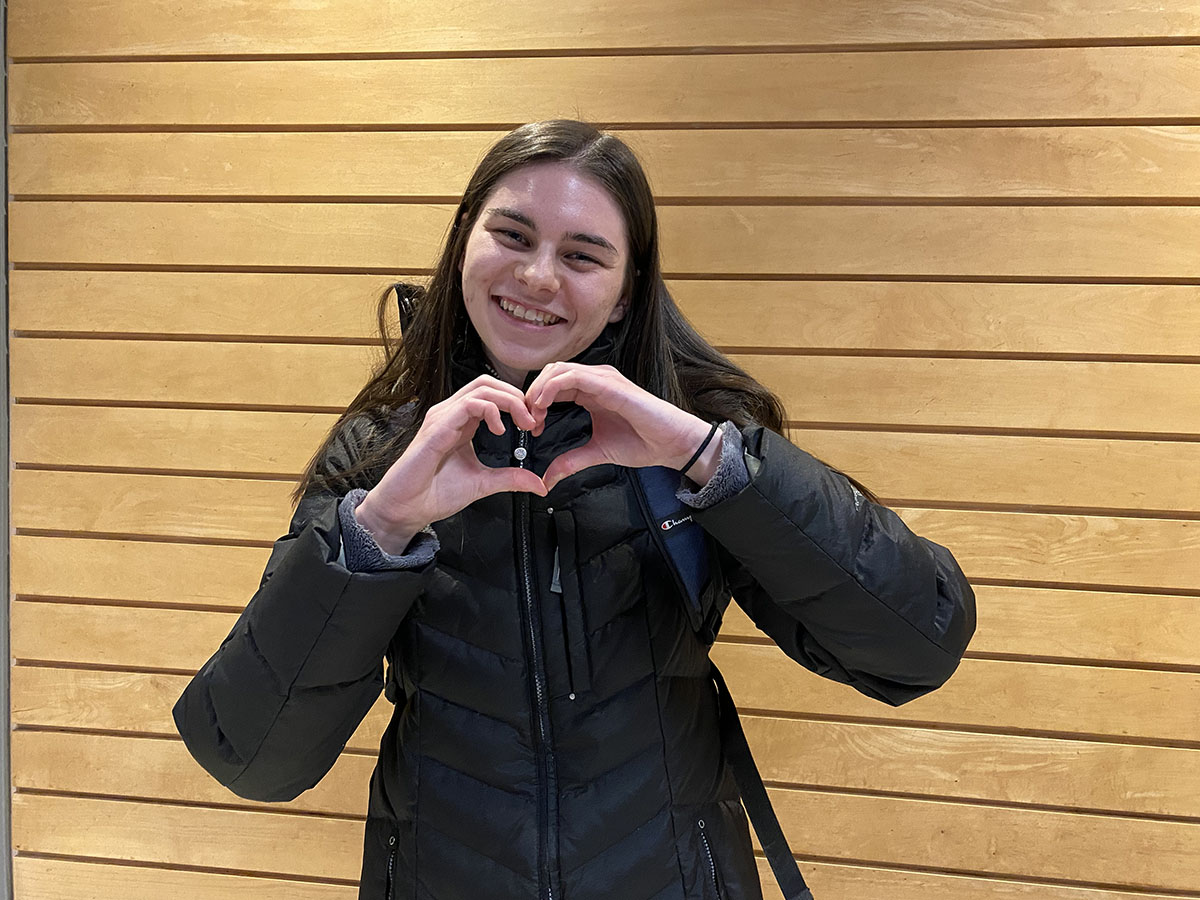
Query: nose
[[539, 272]]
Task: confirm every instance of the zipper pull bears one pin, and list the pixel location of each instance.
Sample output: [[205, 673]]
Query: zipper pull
[[521, 452], [555, 580]]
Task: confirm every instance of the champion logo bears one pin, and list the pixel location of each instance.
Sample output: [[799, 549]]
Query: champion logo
[[668, 524]]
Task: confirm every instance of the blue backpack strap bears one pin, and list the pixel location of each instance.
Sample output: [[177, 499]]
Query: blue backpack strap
[[682, 541]]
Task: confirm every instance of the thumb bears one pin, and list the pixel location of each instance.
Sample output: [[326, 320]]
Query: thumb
[[573, 461]]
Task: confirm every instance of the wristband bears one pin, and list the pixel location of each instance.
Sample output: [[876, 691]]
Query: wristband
[[695, 456]]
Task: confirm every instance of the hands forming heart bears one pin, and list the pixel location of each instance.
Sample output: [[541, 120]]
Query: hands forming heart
[[439, 474]]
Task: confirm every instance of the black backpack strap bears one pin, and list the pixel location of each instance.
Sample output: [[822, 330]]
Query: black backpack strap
[[755, 799]]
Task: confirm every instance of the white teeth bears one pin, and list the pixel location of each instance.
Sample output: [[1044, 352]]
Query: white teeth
[[529, 315]]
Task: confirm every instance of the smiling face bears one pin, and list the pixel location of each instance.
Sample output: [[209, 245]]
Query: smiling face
[[544, 267]]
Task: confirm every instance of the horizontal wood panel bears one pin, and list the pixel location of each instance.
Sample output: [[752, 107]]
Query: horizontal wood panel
[[1044, 162], [166, 573], [116, 636], [938, 762], [1035, 697], [887, 758], [1010, 469], [158, 27], [128, 702], [918, 86], [1151, 629], [1014, 469], [206, 303], [1096, 550], [1099, 626], [964, 317], [1091, 550], [248, 840], [162, 769], [996, 393], [277, 443], [992, 393], [833, 881], [1145, 628], [52, 879], [991, 839], [922, 833], [1074, 242], [1124, 703], [49, 879], [191, 372]]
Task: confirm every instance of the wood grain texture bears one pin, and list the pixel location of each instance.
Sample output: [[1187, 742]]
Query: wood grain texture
[[1145, 629], [1044, 772], [858, 315], [912, 467], [1083, 242], [1120, 703], [991, 840], [48, 879], [1070, 549], [265, 443], [982, 838], [1149, 629], [167, 573], [832, 881], [1019, 85], [51, 879], [1126, 704], [246, 840], [1043, 162], [161, 769], [157, 27], [901, 391], [131, 702], [279, 305]]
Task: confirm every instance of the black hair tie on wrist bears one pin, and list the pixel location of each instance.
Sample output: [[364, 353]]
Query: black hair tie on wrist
[[695, 456]]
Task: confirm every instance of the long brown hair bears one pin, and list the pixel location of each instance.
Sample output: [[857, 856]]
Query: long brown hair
[[655, 346]]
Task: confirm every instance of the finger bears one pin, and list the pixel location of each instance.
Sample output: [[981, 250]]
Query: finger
[[510, 479], [565, 385], [511, 402], [479, 408], [489, 381], [548, 371], [567, 464]]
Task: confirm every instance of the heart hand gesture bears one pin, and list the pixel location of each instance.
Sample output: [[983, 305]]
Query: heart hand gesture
[[439, 473]]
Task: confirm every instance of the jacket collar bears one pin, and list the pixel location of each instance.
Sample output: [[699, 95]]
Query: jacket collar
[[468, 361]]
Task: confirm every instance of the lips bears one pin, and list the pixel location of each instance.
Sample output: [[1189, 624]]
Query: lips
[[521, 313]]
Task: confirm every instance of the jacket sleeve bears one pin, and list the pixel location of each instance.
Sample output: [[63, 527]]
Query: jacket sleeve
[[269, 713], [838, 582]]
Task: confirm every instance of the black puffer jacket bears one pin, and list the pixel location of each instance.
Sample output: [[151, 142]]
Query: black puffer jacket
[[556, 732]]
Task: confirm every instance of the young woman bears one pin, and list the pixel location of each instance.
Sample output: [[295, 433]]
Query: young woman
[[537, 510]]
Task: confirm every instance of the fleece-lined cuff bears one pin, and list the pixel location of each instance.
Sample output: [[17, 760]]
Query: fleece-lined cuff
[[361, 553], [731, 476]]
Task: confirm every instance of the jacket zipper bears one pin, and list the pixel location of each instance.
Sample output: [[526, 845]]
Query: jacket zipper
[[391, 868], [712, 866], [547, 781]]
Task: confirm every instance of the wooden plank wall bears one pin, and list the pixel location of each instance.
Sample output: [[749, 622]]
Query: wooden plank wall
[[958, 237]]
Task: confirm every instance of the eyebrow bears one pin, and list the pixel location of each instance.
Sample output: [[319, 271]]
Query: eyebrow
[[517, 216]]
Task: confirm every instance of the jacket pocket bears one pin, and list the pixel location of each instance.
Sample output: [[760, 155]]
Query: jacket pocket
[[381, 861], [710, 861], [565, 585]]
